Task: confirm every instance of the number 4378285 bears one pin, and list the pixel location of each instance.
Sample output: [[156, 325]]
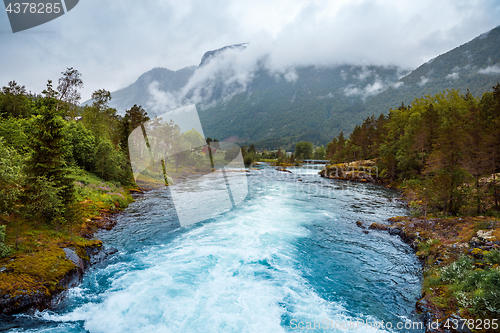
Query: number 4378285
[[33, 8]]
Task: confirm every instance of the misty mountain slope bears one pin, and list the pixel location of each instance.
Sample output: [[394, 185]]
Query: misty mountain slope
[[241, 99], [210, 54], [138, 92], [307, 103], [272, 108], [474, 66]]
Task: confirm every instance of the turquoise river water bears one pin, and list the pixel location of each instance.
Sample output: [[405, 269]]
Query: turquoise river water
[[289, 256]]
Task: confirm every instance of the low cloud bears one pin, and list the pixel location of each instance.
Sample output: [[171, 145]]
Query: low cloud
[[343, 74], [363, 74], [225, 75], [423, 81], [369, 90], [291, 75], [329, 95], [452, 76], [375, 88], [351, 90], [398, 84], [292, 33], [161, 101], [490, 70]]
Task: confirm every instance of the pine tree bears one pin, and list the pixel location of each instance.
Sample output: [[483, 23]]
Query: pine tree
[[47, 167], [390, 147], [425, 135], [14, 101], [446, 160], [133, 118], [493, 140], [475, 147]]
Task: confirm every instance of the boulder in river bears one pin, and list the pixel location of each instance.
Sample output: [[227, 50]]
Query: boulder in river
[[360, 171]]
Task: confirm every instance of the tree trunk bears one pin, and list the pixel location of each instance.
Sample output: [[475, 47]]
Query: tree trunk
[[495, 193]]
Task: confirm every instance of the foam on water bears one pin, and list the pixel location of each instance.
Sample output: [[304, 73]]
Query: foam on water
[[240, 272]]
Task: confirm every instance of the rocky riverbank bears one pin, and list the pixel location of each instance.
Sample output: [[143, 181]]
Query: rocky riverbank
[[38, 281], [51, 262], [460, 258], [359, 171]]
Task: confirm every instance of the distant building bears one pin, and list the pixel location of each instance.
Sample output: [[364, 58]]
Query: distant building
[[205, 150]]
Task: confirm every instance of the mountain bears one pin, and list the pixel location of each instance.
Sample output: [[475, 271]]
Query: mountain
[[474, 66], [138, 92], [210, 54], [280, 110], [250, 103]]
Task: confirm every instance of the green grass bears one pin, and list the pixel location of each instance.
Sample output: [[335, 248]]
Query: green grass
[[476, 290], [96, 194], [36, 261], [425, 248]]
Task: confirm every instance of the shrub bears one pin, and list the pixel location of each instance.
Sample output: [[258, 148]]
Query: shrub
[[4, 250], [475, 289], [111, 164], [10, 176], [424, 248], [492, 257], [486, 299], [457, 271], [82, 146], [42, 200]]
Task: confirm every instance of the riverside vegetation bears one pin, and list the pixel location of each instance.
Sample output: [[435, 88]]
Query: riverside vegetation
[[443, 152], [63, 170], [62, 167]]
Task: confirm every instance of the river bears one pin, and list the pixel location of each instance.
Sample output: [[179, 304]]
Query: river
[[289, 255]]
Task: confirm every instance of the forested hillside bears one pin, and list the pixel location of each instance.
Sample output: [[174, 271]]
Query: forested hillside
[[138, 92], [474, 66], [275, 109], [445, 147], [316, 104]]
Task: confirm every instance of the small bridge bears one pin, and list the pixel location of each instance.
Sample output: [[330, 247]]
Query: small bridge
[[316, 162]]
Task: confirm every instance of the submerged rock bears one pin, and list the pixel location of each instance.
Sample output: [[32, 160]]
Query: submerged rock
[[378, 226], [360, 224]]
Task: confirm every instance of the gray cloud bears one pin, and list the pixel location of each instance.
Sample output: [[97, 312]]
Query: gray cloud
[[111, 43], [291, 75], [423, 81], [491, 70], [398, 84], [369, 90]]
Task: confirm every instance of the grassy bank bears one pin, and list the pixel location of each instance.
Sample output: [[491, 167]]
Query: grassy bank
[[461, 274], [37, 263]]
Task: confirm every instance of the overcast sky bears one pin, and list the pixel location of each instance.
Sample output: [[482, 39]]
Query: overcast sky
[[113, 42]]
